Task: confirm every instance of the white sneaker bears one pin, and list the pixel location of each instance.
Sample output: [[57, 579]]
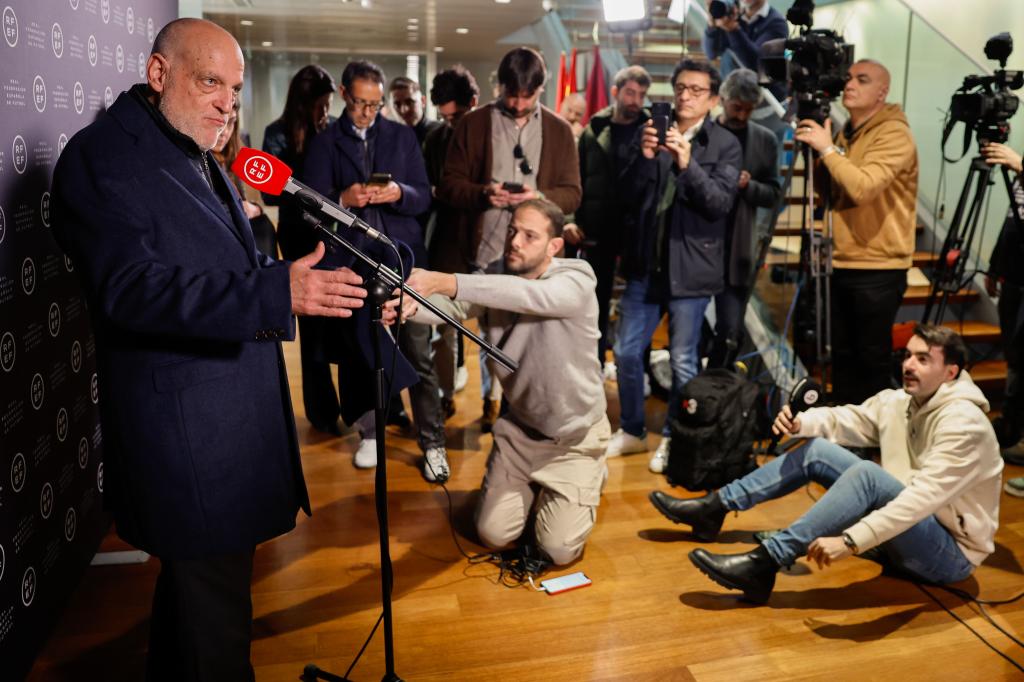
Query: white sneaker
[[366, 454], [660, 458], [647, 385], [623, 443], [461, 377], [435, 465], [610, 371]]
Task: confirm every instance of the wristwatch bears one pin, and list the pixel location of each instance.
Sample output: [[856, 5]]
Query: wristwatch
[[848, 541]]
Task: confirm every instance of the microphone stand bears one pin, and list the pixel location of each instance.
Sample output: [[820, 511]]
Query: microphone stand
[[379, 288]]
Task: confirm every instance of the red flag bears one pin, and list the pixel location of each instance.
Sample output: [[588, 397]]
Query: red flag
[[562, 85], [572, 73], [597, 91]]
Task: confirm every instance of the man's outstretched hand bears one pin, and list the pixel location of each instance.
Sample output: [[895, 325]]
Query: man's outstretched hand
[[327, 293]]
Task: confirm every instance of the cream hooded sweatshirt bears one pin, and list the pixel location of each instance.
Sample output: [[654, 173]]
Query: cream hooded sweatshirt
[[945, 453]]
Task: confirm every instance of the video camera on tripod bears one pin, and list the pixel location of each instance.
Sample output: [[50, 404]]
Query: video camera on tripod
[[816, 63], [985, 104]]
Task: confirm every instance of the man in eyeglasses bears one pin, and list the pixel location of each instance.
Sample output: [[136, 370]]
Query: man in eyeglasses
[[345, 163], [504, 153], [681, 193]]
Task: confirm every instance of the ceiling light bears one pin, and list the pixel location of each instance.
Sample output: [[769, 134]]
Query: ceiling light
[[365, 3], [462, 31], [267, 43], [246, 22], [414, 20], [412, 27], [438, 48], [502, 2], [626, 15]]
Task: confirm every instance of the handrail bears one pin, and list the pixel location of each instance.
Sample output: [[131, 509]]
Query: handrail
[[915, 13]]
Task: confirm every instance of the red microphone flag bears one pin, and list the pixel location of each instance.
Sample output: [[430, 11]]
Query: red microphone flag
[[261, 170]]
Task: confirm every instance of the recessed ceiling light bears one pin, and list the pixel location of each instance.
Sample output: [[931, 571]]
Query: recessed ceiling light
[[412, 27], [246, 22], [502, 2], [364, 3], [267, 43], [438, 49], [414, 20], [462, 30]]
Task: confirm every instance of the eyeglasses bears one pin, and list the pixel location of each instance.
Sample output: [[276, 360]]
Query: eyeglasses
[[365, 105], [695, 90], [524, 165]]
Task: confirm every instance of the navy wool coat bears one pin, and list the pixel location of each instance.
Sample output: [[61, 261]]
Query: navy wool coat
[[201, 456]]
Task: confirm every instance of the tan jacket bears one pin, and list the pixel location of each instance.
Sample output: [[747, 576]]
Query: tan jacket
[[874, 193], [944, 452]]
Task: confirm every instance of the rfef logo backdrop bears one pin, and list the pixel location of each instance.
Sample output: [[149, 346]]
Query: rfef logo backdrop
[[62, 63]]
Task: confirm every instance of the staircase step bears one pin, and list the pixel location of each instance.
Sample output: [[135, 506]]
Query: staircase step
[[975, 331], [792, 262], [990, 375], [784, 230], [919, 296]]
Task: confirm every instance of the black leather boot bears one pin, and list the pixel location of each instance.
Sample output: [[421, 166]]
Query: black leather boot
[[752, 572], [704, 515]]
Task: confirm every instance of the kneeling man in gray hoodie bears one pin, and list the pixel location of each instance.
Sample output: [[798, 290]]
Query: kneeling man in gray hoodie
[[543, 314], [930, 510]]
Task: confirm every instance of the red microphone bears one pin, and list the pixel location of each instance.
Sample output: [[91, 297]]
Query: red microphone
[[261, 171], [270, 175]]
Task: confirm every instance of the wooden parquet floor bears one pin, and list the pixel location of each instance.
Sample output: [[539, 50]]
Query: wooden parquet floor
[[649, 615]]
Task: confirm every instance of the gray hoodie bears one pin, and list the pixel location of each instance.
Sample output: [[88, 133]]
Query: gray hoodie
[[558, 390], [945, 453]]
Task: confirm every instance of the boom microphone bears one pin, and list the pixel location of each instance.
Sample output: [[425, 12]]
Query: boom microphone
[[805, 394], [271, 175]]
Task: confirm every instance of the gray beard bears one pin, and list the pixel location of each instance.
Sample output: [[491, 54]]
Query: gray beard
[[183, 127]]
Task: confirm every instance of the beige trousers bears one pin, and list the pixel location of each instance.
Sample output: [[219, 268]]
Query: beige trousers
[[570, 477]]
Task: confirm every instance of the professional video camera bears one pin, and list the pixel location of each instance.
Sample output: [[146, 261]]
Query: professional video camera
[[719, 9], [984, 103], [816, 63]]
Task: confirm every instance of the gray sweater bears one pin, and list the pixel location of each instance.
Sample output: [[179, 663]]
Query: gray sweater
[[558, 390]]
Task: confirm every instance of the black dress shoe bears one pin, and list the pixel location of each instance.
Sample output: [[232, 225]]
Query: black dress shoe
[[704, 515], [752, 572]]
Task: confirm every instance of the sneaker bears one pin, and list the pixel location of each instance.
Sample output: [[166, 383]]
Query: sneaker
[[366, 454], [435, 465], [623, 443], [647, 386], [1015, 486], [461, 377], [610, 371], [660, 458]]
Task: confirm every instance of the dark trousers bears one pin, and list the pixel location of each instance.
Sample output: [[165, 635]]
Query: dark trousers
[[319, 396], [602, 259], [730, 305], [201, 626], [424, 395], [864, 307]]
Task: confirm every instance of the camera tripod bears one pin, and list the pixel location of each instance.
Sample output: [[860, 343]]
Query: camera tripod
[[815, 258], [949, 271]]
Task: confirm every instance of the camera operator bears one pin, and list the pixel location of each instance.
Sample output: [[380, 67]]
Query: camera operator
[[930, 511], [873, 168], [1005, 279], [746, 26]]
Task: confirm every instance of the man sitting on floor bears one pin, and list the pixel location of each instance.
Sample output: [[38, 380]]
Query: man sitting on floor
[[930, 510], [554, 435]]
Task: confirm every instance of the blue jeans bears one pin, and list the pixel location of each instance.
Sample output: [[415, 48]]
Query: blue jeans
[[856, 487], [639, 314]]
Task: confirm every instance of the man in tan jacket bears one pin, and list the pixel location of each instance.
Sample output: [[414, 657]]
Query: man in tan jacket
[[873, 168], [930, 510]]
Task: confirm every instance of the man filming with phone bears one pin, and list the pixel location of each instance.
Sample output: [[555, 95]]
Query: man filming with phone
[[681, 186]]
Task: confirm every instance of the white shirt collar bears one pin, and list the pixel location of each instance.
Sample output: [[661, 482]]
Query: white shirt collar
[[761, 13], [692, 131]]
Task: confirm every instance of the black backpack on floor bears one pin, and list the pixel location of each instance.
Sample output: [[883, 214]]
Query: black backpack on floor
[[713, 428]]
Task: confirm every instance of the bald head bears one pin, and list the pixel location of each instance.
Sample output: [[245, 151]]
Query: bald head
[[195, 74], [573, 108], [866, 89]]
